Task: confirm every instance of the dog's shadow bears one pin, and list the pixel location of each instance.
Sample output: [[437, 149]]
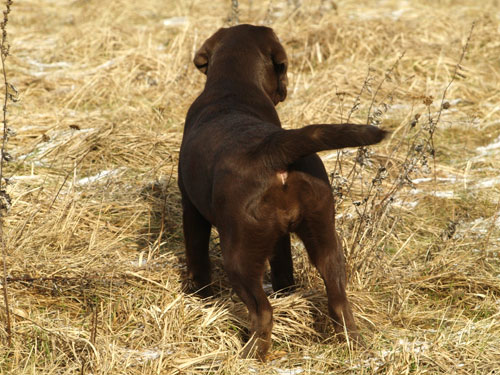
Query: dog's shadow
[[163, 229], [162, 233]]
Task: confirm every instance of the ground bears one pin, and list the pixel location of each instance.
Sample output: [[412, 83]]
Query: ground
[[93, 247]]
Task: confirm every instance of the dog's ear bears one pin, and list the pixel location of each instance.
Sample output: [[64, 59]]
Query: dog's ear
[[202, 57], [280, 62]]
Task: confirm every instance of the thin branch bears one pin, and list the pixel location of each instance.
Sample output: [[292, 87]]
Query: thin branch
[[4, 196]]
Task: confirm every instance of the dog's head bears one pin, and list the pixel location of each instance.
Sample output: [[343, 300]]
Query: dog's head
[[252, 52]]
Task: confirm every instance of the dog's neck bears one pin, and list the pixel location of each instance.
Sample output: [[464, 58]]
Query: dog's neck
[[239, 94]]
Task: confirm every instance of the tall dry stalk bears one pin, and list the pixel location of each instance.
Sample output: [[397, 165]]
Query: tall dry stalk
[[373, 207], [4, 196], [235, 13]]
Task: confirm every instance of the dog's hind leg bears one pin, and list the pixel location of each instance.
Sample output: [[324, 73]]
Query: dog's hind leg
[[325, 252], [196, 238], [282, 265], [245, 266]]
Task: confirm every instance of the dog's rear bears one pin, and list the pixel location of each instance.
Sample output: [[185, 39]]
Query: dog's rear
[[240, 171]]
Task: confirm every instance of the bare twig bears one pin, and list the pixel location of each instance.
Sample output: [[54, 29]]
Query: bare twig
[[386, 76], [8, 326], [4, 196], [455, 72], [93, 335], [235, 19]]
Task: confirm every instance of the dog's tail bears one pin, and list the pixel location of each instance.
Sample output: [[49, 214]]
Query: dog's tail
[[280, 149]]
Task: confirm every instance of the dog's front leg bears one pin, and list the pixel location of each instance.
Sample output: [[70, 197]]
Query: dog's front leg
[[196, 237]]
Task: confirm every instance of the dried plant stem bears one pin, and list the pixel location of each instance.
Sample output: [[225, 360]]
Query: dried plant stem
[[235, 19], [93, 335], [455, 72], [8, 325], [4, 54], [386, 75], [491, 227], [4, 196]]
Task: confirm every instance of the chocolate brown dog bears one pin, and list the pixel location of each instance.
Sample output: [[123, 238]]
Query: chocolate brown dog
[[256, 182]]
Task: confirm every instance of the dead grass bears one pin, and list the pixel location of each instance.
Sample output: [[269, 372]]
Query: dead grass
[[94, 240]]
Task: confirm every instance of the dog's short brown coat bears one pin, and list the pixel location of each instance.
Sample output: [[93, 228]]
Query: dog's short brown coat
[[256, 182]]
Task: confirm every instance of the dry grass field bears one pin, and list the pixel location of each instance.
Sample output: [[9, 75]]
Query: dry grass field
[[93, 239]]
